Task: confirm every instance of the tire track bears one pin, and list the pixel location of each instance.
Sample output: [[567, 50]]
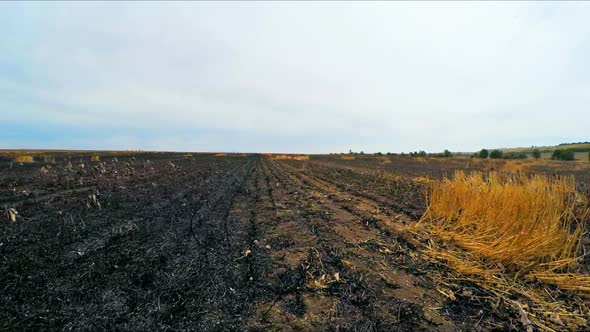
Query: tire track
[[370, 293], [382, 256]]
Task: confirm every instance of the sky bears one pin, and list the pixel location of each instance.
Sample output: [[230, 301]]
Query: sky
[[295, 77]]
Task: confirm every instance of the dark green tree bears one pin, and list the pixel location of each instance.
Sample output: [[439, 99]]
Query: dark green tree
[[536, 154], [484, 153], [560, 154], [496, 154]]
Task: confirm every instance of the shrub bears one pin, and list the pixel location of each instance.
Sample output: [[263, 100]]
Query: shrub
[[536, 154], [563, 155], [515, 155], [484, 153], [496, 154], [447, 153]]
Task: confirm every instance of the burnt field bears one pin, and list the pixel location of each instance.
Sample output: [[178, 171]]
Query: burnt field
[[209, 242]]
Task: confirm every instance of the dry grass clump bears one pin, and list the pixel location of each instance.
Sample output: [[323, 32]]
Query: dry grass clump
[[236, 155], [423, 179], [516, 220], [503, 230], [24, 159], [516, 166], [383, 160], [286, 157]]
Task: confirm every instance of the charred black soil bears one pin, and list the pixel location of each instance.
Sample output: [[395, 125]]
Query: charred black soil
[[215, 243]]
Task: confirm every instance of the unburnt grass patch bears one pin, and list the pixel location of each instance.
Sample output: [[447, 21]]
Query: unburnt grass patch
[[511, 234]]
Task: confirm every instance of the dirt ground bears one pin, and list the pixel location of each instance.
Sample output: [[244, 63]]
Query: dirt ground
[[227, 243]]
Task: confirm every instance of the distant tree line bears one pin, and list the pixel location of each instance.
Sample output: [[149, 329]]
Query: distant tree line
[[421, 153], [499, 154], [559, 154], [562, 144]]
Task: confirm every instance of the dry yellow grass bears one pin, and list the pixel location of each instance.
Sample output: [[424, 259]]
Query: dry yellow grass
[[287, 157], [229, 155], [383, 160], [516, 220], [95, 158], [423, 179], [515, 166], [24, 159], [500, 230]]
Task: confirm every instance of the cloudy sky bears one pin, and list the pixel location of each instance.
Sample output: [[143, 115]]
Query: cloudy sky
[[294, 77]]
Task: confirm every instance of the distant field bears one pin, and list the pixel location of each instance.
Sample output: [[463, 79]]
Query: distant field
[[582, 156], [39, 154], [582, 147], [33, 155], [72, 152], [581, 150]]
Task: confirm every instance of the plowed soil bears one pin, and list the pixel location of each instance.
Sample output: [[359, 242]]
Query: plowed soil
[[208, 243]]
